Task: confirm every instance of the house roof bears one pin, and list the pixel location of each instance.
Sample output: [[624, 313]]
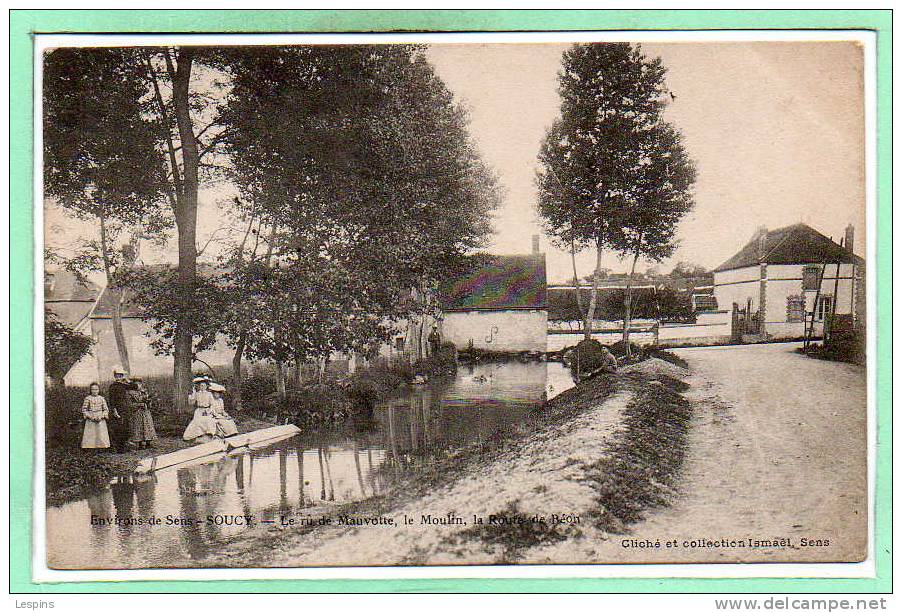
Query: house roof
[[68, 297], [796, 244], [497, 283], [64, 286], [110, 295]]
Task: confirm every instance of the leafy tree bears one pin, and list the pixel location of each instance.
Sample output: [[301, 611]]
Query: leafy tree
[[101, 162], [614, 175], [660, 195], [187, 88], [63, 347], [359, 165], [687, 270]]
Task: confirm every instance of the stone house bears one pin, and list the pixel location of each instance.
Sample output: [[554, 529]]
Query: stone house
[[498, 304], [782, 277]]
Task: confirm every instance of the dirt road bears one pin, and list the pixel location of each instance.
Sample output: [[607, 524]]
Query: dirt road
[[773, 469], [777, 450]]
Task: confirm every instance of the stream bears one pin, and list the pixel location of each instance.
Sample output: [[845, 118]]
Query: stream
[[180, 515]]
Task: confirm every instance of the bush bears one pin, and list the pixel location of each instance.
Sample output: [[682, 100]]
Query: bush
[[442, 363], [62, 415], [588, 355], [842, 347], [619, 349], [254, 391]]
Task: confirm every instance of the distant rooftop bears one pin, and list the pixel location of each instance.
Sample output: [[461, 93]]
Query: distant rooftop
[[497, 282]]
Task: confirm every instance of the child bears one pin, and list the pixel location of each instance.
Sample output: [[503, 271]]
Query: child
[[95, 411]]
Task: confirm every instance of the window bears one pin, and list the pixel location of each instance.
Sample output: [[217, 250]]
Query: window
[[824, 307], [795, 308], [811, 276]]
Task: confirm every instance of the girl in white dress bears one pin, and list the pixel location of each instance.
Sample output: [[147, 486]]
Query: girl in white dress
[[225, 425], [96, 412]]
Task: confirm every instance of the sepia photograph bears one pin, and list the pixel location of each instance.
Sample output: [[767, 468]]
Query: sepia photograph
[[423, 302]]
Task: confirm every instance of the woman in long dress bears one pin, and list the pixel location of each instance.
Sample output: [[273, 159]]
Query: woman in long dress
[[225, 425], [202, 428], [142, 431]]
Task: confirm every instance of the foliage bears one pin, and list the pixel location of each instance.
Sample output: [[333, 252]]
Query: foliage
[[158, 298], [664, 304], [100, 155], [688, 270], [614, 174], [588, 355], [327, 149], [846, 346], [63, 346]]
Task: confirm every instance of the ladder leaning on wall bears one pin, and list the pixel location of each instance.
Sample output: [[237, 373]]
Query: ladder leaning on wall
[[809, 322]]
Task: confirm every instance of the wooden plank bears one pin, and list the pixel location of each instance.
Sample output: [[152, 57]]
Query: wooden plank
[[259, 436], [178, 457]]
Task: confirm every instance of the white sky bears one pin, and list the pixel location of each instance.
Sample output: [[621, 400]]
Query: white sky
[[775, 128]]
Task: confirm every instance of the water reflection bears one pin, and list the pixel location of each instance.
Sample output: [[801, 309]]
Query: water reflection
[[180, 515]]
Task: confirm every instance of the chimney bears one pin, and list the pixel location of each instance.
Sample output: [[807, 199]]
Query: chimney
[[535, 244], [849, 242]]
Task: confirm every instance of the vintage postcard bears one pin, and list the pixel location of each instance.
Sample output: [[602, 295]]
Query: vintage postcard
[[393, 301]]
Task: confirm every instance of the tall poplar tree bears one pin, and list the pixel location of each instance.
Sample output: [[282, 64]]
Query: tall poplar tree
[[613, 174]]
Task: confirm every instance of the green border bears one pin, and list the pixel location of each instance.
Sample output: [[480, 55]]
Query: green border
[[25, 22]]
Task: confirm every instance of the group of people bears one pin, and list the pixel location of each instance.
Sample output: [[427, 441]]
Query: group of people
[[125, 422], [209, 419], [128, 411]]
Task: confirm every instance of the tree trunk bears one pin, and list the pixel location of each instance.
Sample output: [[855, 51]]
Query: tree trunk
[[116, 319], [579, 296], [236, 370], [186, 222], [280, 379], [296, 372], [628, 306], [593, 298]]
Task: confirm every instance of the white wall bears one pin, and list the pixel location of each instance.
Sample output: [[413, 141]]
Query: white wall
[[786, 280], [706, 325], [514, 330], [737, 286], [144, 363]]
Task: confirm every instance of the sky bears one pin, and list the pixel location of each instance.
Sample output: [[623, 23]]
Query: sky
[[776, 131]]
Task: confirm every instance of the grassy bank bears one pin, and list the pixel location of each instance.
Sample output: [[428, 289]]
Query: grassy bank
[[72, 472], [641, 466]]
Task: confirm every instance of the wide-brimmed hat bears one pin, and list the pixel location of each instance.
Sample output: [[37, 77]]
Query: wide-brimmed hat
[[216, 387], [118, 370], [201, 379]]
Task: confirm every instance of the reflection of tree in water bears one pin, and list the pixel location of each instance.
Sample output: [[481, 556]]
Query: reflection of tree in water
[[122, 490], [191, 535], [101, 505], [283, 480], [326, 455], [356, 449]]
